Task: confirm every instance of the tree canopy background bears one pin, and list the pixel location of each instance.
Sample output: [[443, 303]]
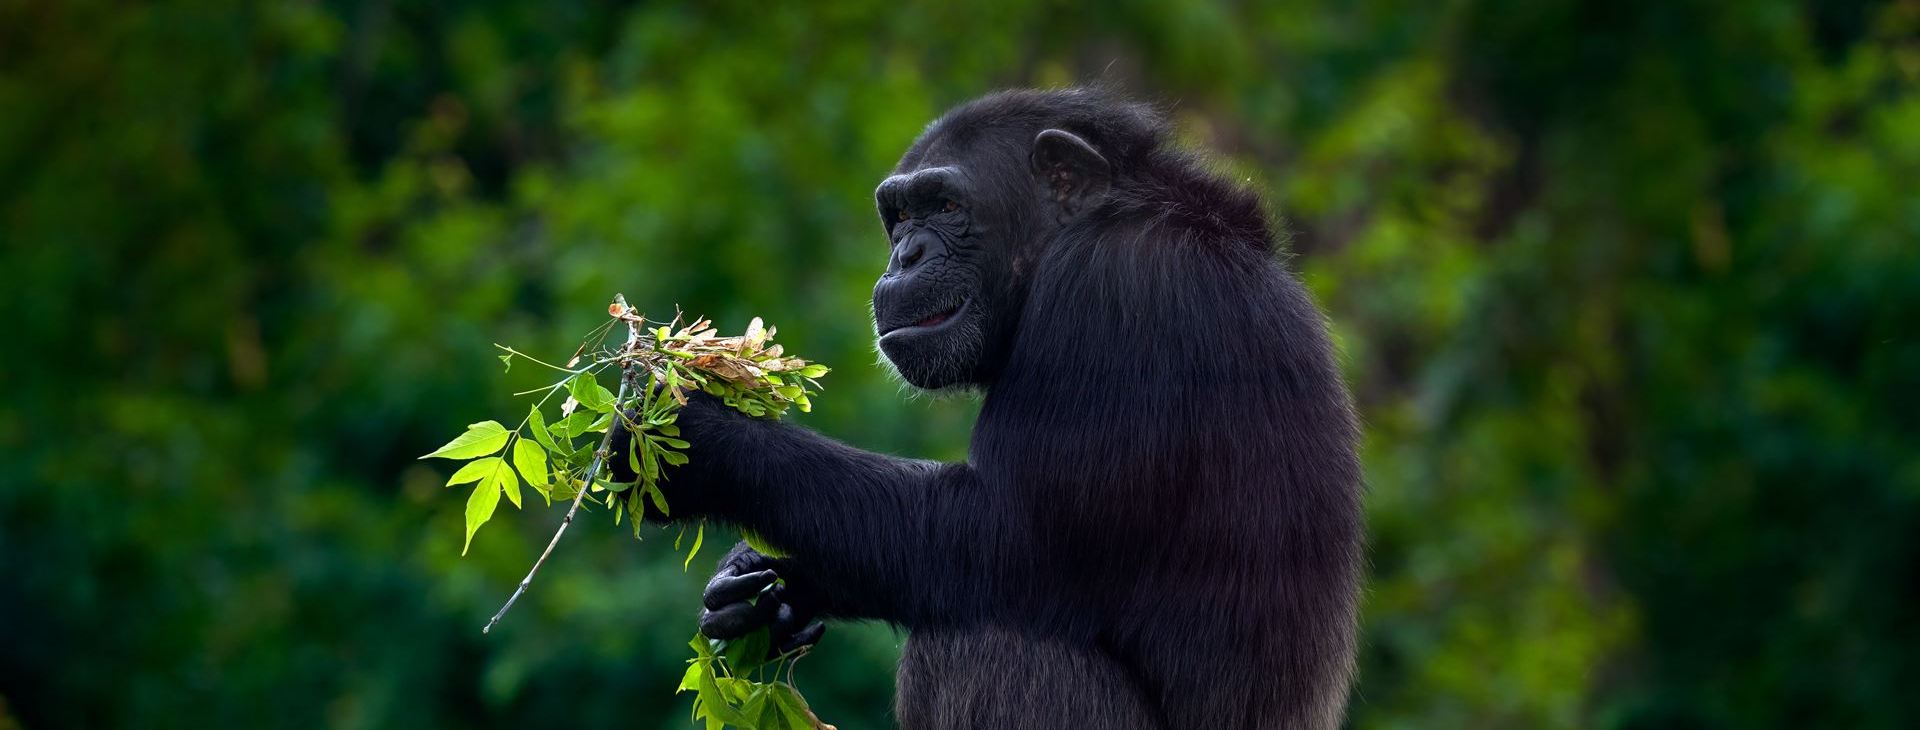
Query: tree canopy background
[[1629, 293]]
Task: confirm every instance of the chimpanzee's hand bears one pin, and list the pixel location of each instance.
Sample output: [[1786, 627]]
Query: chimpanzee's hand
[[701, 421], [744, 596]]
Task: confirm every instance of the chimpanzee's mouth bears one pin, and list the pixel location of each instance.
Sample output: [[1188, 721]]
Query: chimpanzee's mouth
[[931, 321], [937, 318]]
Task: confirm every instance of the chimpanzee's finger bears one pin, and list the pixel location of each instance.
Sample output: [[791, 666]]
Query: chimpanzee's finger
[[786, 620], [736, 620], [802, 639], [745, 559], [725, 589]]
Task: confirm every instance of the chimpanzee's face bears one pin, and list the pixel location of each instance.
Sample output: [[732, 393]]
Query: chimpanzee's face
[[966, 224], [949, 283]]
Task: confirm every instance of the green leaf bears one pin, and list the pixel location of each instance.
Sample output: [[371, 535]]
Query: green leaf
[[760, 544], [531, 460], [649, 461], [757, 706], [813, 371], [699, 537], [659, 500], [674, 458], [474, 471], [573, 425], [538, 425], [702, 646], [737, 691], [480, 439], [480, 506], [590, 393], [748, 652], [657, 401], [636, 511], [598, 425], [634, 451], [718, 708], [691, 680], [790, 704], [491, 472], [507, 480]]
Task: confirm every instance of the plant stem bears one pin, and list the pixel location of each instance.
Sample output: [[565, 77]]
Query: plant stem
[[593, 470], [535, 360], [586, 483]]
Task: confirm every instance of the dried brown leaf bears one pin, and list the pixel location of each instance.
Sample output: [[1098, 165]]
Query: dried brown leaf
[[732, 369], [756, 332]]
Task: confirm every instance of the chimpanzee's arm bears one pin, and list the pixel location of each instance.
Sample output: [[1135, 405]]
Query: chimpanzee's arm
[[875, 536]]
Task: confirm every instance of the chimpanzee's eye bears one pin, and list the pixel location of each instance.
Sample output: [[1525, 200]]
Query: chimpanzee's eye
[[902, 215], [952, 206]]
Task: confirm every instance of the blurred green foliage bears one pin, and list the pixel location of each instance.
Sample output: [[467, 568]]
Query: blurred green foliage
[[1629, 294]]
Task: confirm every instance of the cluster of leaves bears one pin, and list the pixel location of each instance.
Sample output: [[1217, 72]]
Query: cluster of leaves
[[727, 679], [565, 458], [662, 362]]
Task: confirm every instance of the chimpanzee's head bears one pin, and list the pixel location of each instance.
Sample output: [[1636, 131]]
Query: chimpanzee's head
[[969, 212]]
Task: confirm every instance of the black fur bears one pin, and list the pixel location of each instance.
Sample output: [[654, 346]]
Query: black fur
[[1158, 524]]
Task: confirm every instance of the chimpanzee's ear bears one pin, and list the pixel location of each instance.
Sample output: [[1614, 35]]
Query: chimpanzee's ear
[[1073, 174]]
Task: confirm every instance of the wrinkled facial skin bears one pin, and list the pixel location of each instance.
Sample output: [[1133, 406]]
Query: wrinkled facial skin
[[949, 291], [964, 221]]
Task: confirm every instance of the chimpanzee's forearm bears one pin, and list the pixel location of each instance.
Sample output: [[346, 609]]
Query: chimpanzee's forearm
[[874, 536]]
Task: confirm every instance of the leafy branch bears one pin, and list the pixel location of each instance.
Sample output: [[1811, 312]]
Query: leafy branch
[[746, 372], [593, 470]]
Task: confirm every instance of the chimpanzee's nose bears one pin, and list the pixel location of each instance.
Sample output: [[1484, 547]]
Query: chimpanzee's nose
[[911, 249], [908, 253]]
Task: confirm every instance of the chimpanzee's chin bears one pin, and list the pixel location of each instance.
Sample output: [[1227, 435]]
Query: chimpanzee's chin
[[926, 360]]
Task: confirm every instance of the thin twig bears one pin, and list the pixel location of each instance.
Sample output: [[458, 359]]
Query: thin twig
[[593, 470]]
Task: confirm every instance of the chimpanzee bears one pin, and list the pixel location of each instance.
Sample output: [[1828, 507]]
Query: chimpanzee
[[1158, 524]]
